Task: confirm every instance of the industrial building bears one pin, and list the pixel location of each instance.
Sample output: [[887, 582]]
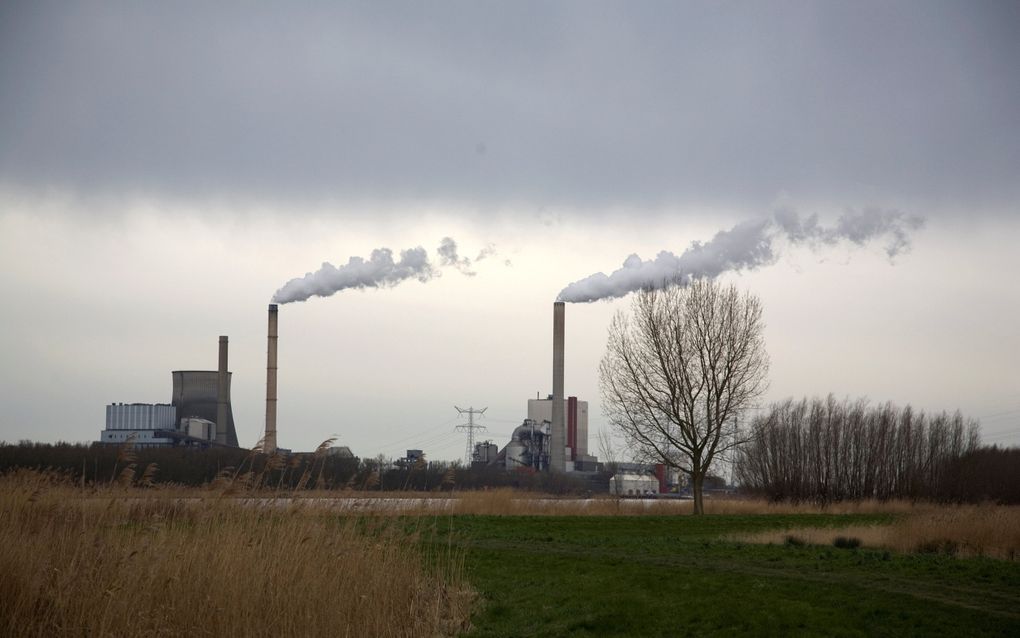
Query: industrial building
[[576, 416], [199, 412], [530, 444], [633, 484], [142, 420]]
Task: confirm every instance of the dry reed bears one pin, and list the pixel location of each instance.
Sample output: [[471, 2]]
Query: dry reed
[[992, 531], [116, 562]]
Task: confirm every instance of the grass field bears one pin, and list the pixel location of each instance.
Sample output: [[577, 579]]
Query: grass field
[[679, 576]]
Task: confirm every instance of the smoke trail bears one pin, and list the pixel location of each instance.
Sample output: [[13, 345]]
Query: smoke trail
[[746, 246], [448, 257], [378, 271]]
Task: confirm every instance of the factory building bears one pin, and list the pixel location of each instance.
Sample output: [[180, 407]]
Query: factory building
[[575, 412], [531, 443], [485, 453], [528, 447], [146, 421], [199, 412], [633, 484]]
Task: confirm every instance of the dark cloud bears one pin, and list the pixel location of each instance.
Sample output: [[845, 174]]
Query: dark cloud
[[588, 104]]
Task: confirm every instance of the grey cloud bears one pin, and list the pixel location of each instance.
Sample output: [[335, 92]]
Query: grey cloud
[[746, 246], [582, 104]]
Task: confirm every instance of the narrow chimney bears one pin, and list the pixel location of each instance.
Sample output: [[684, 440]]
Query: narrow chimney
[[557, 437], [221, 395], [269, 444]]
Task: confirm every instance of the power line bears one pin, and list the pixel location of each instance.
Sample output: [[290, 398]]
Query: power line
[[1002, 413], [428, 432], [470, 428]]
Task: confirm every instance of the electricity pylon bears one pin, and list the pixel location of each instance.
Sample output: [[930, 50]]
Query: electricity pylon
[[470, 428]]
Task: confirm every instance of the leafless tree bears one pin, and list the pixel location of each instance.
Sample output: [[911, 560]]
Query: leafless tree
[[680, 369], [607, 451], [825, 450]]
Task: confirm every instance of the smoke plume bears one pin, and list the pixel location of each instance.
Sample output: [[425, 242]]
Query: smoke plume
[[378, 271], [746, 246], [448, 257]]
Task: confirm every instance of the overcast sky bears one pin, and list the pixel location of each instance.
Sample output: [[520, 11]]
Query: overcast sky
[[165, 168]]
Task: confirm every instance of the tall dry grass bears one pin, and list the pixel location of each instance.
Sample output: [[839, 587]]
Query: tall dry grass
[[113, 562], [967, 531]]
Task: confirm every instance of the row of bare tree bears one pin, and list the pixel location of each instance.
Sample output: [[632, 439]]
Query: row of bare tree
[[827, 450]]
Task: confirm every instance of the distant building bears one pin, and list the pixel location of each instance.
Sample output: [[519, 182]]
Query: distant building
[[147, 422], [528, 447], [576, 417], [485, 453], [625, 484], [196, 428], [340, 452]]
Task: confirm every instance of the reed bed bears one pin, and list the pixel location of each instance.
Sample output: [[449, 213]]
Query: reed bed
[[992, 531], [115, 562]]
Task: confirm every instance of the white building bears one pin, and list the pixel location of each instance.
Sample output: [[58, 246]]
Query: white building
[[141, 416], [199, 428], [623, 484], [140, 419]]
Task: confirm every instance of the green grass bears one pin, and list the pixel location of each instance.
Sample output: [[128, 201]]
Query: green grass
[[678, 576]]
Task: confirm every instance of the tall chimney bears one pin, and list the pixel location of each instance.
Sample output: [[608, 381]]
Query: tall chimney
[[557, 437], [269, 443], [221, 395]]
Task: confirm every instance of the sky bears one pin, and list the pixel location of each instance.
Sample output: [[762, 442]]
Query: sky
[[167, 168]]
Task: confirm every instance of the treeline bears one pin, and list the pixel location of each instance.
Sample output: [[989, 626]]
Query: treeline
[[985, 474], [824, 450], [193, 467]]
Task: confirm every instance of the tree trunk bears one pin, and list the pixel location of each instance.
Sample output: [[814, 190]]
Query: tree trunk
[[697, 482]]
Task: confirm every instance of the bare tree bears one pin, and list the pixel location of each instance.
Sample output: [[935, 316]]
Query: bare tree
[[679, 370], [824, 450], [607, 451]]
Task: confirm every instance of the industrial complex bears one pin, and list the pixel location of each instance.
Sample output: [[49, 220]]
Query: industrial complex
[[199, 413], [552, 438]]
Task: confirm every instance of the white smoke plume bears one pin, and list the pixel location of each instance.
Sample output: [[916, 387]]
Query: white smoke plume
[[448, 257], [485, 253], [746, 246], [380, 270]]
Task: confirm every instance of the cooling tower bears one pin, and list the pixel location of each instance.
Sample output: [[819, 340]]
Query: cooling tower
[[557, 434], [269, 443], [196, 394]]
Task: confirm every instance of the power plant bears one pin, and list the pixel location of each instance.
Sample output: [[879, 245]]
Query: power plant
[[553, 437], [199, 412]]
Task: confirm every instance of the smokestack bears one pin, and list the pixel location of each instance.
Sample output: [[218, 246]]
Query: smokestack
[[269, 444], [221, 395], [557, 437]]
